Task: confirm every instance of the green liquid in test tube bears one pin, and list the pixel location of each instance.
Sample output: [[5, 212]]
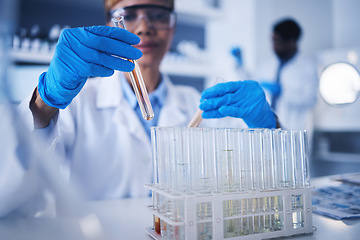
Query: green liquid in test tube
[[137, 80]]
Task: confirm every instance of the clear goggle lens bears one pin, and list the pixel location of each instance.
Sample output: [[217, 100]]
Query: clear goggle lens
[[156, 17]]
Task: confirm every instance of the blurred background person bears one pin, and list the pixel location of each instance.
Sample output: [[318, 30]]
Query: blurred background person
[[289, 78]]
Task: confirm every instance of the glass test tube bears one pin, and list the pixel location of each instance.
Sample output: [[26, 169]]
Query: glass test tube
[[305, 157], [267, 159], [172, 159], [245, 159], [253, 151], [182, 164], [288, 156], [160, 147], [228, 165], [195, 121], [202, 148], [296, 158], [300, 158], [279, 176], [137, 80], [155, 156], [197, 118], [257, 161]]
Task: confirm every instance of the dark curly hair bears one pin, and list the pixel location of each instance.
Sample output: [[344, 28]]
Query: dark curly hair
[[288, 29]]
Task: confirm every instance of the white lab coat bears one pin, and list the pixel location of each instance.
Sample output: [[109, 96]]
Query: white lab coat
[[299, 84], [107, 151]]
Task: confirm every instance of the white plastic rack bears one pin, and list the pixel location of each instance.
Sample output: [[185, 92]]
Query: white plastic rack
[[218, 183], [245, 215]]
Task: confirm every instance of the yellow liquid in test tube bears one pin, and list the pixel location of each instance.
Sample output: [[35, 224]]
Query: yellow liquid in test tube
[[137, 81]]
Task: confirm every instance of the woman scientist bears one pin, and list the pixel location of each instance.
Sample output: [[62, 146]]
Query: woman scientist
[[102, 134]]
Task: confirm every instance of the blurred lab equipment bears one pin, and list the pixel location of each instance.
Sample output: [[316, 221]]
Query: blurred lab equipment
[[191, 51], [340, 84], [237, 54], [217, 183], [336, 135], [137, 80], [61, 83]]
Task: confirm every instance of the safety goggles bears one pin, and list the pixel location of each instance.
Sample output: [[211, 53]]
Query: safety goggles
[[156, 16]]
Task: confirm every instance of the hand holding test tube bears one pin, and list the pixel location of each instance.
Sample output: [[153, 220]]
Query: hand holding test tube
[[137, 81]]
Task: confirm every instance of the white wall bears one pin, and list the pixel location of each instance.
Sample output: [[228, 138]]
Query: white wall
[[346, 23], [233, 27]]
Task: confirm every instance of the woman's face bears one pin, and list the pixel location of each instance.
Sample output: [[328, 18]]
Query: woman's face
[[154, 42]]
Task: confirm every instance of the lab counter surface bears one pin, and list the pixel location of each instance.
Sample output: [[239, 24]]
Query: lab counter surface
[[128, 218]]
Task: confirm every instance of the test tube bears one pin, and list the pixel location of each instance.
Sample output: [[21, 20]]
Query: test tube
[[182, 164], [228, 164], [305, 157], [155, 156], [160, 151], [268, 159], [255, 152], [257, 148], [288, 156], [202, 157], [279, 176], [172, 159], [245, 159], [296, 158], [197, 118], [137, 80]]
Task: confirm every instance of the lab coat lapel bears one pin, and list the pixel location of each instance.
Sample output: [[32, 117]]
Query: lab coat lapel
[[126, 115], [174, 111], [110, 95]]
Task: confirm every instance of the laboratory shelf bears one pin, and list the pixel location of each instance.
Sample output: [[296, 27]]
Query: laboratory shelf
[[193, 13], [172, 68], [187, 69], [30, 57], [197, 15]]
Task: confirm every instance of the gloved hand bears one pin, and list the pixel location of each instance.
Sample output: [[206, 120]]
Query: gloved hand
[[242, 99], [273, 88], [82, 53]]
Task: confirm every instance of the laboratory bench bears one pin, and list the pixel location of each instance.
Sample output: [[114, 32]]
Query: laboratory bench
[[128, 219]]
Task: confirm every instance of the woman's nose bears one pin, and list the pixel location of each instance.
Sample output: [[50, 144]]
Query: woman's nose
[[144, 27]]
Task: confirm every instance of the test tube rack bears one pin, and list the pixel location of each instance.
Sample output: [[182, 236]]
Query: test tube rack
[[216, 183]]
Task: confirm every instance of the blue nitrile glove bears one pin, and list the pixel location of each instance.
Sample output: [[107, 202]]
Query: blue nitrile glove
[[273, 88], [82, 53], [242, 99]]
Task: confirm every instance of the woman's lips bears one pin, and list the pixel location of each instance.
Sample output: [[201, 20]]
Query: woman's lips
[[146, 47]]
